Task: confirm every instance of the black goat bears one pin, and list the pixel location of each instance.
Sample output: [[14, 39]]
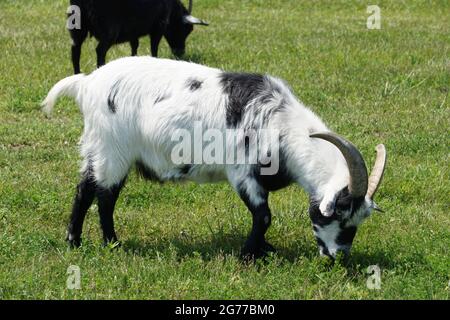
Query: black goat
[[117, 21]]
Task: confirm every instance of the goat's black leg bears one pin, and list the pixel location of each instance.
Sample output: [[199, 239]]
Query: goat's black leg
[[106, 202], [76, 54], [134, 46], [155, 39], [78, 37], [102, 49], [83, 200], [256, 245]]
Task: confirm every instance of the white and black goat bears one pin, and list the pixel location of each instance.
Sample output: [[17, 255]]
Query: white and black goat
[[133, 106], [118, 21]]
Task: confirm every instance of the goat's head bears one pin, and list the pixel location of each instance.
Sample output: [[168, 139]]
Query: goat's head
[[336, 220], [179, 29]]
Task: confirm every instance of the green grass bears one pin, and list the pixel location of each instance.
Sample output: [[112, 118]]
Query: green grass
[[182, 240]]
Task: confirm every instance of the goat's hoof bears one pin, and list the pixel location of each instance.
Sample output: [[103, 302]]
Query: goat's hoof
[[267, 248], [73, 240], [74, 243], [249, 254]]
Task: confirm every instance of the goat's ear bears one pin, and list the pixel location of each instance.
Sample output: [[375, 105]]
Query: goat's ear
[[193, 20]]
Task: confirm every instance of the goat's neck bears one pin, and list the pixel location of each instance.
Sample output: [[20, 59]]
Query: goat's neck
[[317, 165]]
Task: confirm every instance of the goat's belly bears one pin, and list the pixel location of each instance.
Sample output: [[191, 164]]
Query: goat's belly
[[199, 173], [195, 173], [206, 173]]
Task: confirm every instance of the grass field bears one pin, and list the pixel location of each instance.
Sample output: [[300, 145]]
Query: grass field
[[182, 240]]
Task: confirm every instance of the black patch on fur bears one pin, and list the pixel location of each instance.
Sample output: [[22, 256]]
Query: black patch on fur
[[162, 98], [344, 202], [111, 105], [277, 181], [184, 170], [106, 200], [241, 88], [346, 236], [146, 172], [322, 245], [112, 96], [194, 84], [317, 217], [83, 200]]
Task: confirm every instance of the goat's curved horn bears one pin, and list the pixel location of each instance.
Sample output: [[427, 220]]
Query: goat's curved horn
[[378, 170], [357, 167], [193, 20]]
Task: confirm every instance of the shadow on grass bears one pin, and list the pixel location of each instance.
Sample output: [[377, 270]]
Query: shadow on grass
[[217, 244], [359, 261], [220, 244], [381, 258]]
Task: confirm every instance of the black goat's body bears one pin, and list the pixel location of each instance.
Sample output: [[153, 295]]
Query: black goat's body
[[114, 21]]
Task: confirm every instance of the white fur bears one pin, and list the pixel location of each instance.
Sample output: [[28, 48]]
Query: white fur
[[66, 87], [141, 128]]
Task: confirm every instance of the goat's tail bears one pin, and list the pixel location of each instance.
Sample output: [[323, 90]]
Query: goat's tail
[[66, 87]]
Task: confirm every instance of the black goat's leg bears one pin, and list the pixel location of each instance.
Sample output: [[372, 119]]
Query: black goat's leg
[[76, 54], [155, 39], [78, 37], [134, 46], [102, 49], [84, 197], [106, 202]]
